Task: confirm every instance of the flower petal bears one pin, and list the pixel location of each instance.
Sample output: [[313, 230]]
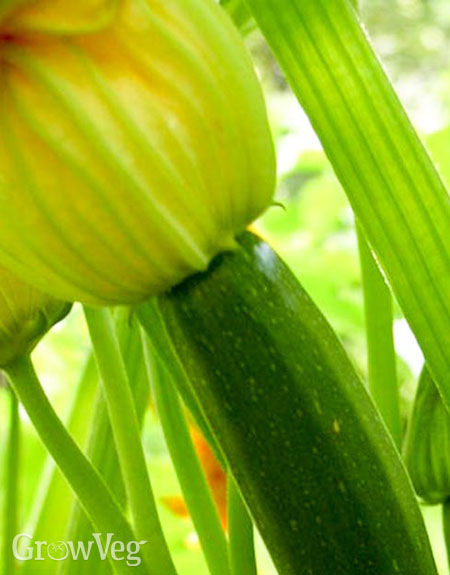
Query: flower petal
[[62, 16]]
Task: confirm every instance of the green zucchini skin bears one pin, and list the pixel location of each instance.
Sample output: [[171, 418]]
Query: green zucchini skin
[[315, 464]]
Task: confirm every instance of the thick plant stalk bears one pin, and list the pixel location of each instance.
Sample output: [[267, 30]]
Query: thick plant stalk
[[127, 437], [380, 341], [193, 484], [12, 484], [90, 489], [240, 532], [393, 186]]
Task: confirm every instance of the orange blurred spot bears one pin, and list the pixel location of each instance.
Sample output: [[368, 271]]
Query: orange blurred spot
[[176, 505], [215, 477]]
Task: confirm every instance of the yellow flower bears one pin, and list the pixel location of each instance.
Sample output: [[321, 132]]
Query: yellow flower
[[134, 144], [25, 316]]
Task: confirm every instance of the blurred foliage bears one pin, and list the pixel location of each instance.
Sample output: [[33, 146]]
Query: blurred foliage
[[311, 226], [412, 38]]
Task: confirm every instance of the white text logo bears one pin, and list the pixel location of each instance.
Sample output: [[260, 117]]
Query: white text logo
[[24, 548]]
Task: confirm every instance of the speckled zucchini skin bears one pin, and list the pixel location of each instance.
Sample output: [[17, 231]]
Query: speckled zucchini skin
[[314, 462]]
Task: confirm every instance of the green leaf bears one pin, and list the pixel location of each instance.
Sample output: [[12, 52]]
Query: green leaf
[[394, 188]]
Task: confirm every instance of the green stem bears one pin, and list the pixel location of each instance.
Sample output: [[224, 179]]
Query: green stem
[[12, 480], [380, 341], [161, 346], [380, 338], [240, 533], [395, 190], [89, 487], [125, 427], [187, 466], [100, 447], [78, 526], [53, 498]]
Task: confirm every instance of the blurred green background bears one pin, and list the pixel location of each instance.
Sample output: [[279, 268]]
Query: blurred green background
[[312, 227]]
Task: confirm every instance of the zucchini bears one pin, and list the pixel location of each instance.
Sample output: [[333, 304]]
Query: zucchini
[[305, 443]]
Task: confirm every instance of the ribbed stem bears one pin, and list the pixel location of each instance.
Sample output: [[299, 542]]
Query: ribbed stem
[[127, 438], [240, 533], [394, 189], [93, 494], [187, 467]]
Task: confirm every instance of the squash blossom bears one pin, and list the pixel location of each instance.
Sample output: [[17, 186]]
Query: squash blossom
[[25, 316], [134, 144]]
